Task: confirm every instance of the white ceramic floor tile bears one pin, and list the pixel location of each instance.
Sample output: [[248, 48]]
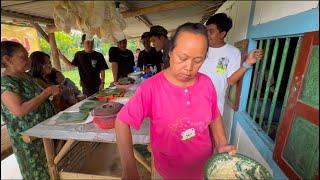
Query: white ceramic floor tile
[[10, 168]]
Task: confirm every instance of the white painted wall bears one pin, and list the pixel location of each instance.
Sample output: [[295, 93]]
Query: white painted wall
[[266, 11], [228, 119], [239, 12], [10, 168], [2, 70], [247, 148]]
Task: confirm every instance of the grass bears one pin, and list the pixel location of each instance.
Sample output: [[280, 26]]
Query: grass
[[74, 76]]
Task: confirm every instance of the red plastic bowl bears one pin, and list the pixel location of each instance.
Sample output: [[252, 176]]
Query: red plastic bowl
[[103, 123], [122, 86], [105, 98]]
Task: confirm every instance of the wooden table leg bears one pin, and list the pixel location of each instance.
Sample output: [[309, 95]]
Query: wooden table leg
[[65, 149], [141, 159], [49, 149], [154, 173], [58, 145]]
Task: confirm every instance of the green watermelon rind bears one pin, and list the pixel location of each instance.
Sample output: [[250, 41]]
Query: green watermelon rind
[[226, 157]]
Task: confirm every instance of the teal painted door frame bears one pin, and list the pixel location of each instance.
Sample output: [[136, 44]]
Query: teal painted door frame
[[283, 27]]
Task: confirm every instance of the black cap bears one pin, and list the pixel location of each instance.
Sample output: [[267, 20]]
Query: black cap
[[158, 31]]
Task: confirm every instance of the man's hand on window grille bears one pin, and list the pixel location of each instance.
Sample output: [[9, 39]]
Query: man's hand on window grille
[[254, 56]]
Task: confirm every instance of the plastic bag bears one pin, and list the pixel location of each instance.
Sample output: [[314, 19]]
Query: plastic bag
[[99, 18]]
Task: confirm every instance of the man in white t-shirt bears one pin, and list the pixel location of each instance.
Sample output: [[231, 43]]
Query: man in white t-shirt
[[222, 63]]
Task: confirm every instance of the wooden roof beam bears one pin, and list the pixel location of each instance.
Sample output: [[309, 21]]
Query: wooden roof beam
[[40, 30], [141, 18], [17, 15], [211, 10], [138, 37], [145, 20], [158, 8], [17, 4]]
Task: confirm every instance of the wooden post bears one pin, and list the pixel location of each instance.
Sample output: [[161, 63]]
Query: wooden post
[[54, 51], [63, 151], [58, 145], [40, 30], [154, 173], [72, 175], [50, 38], [141, 160], [49, 149]]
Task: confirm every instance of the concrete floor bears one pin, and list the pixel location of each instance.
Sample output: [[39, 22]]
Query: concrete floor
[[106, 161], [10, 168]]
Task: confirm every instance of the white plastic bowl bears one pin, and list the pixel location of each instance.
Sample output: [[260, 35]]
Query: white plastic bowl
[[135, 75]]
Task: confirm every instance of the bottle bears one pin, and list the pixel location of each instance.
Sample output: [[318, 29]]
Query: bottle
[[144, 69]]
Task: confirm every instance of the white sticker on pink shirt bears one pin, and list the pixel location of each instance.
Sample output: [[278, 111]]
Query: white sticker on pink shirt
[[187, 134]]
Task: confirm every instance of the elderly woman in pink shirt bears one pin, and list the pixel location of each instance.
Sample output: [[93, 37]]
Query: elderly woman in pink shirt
[[185, 123]]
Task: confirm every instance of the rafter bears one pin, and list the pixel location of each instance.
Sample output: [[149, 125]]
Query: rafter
[[17, 15], [158, 8], [211, 10], [17, 4], [141, 18], [138, 37]]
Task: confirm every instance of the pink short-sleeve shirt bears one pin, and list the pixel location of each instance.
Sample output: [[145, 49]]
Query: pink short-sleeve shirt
[[179, 123]]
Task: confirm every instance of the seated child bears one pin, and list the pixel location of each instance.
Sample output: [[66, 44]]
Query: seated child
[[70, 93]]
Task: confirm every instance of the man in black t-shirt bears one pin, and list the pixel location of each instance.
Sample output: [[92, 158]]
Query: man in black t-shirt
[[122, 60], [91, 66], [149, 56], [159, 39]]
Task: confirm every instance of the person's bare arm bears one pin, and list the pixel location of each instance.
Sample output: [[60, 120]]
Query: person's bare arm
[[125, 147], [219, 136], [18, 108], [253, 57], [234, 78], [65, 60], [115, 71], [102, 75]]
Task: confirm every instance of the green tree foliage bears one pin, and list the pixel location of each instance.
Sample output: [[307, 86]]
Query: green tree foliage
[[132, 45], [45, 47], [105, 48], [68, 44]]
